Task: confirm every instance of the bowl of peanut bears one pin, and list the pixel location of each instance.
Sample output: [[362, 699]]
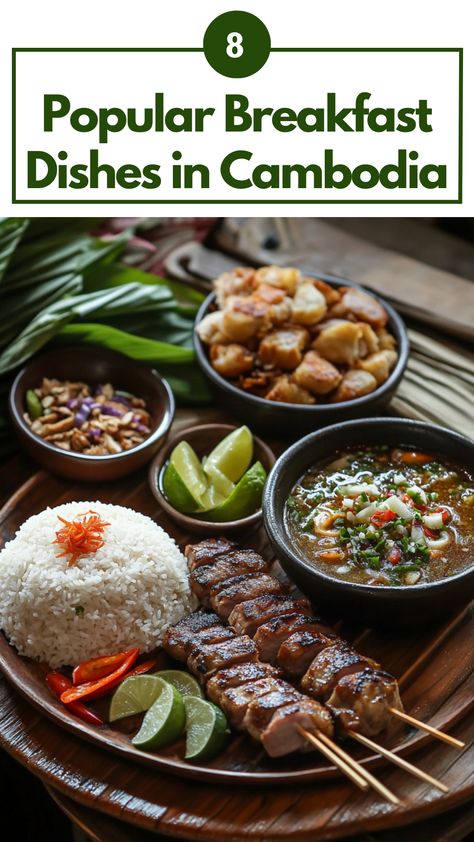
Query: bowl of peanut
[[89, 413]]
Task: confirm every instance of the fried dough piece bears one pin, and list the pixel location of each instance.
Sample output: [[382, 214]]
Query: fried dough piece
[[339, 341], [231, 360], [211, 329], [285, 390], [283, 277], [331, 294], [308, 305], [356, 302], [387, 342], [238, 282], [283, 348], [316, 374], [354, 384], [369, 341], [243, 316], [379, 364]]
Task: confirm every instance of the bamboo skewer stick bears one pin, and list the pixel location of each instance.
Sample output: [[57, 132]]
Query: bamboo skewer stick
[[423, 726], [399, 761], [362, 772], [348, 770]]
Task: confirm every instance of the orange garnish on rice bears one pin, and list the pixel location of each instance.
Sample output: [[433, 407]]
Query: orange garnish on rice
[[80, 536]]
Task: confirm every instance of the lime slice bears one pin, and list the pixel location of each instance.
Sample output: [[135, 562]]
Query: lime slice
[[184, 481], [232, 455], [245, 499], [207, 730], [164, 721], [185, 683], [134, 695]]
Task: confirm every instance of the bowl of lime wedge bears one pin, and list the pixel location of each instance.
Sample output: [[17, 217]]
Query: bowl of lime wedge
[[210, 478]]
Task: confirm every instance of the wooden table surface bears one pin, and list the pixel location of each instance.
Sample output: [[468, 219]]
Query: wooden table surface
[[89, 782]]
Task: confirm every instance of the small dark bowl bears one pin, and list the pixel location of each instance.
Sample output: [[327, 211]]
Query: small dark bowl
[[203, 439], [93, 365], [396, 607], [289, 420]]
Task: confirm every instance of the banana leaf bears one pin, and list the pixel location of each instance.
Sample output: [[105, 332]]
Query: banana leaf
[[11, 232], [173, 362], [115, 274], [102, 304]]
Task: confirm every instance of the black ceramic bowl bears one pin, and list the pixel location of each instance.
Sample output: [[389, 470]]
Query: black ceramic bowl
[[286, 419], [93, 365], [396, 607]]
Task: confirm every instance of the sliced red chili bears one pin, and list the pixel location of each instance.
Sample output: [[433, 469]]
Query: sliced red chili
[[97, 668], [430, 533], [58, 683], [379, 519], [145, 666], [445, 513], [92, 689], [394, 556]]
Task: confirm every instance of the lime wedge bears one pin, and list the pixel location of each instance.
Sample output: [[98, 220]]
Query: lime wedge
[[134, 695], [219, 481], [232, 455], [164, 721], [211, 499], [185, 683], [207, 730], [184, 481], [245, 499]]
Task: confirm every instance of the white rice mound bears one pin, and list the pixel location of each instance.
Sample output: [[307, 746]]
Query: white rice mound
[[124, 595]]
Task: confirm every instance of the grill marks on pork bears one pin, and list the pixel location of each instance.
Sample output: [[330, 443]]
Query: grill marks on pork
[[298, 651], [179, 638], [248, 587], [330, 666], [204, 661], [238, 675], [260, 711], [236, 700], [225, 566], [281, 736], [246, 617], [362, 701], [271, 635], [206, 551]]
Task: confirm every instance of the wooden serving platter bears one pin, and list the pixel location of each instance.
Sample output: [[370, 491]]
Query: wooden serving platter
[[434, 667]]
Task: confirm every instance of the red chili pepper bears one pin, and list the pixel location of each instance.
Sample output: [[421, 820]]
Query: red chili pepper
[[93, 688], [394, 555], [445, 513], [97, 668], [145, 666], [58, 684], [407, 499], [379, 519], [430, 533]]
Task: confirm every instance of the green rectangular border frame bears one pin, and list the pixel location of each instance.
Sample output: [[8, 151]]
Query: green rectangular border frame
[[457, 201]]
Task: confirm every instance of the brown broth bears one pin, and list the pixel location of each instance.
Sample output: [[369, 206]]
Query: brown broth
[[384, 517]]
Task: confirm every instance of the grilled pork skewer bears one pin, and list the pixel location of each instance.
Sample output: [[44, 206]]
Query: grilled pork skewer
[[249, 691], [286, 633], [272, 711]]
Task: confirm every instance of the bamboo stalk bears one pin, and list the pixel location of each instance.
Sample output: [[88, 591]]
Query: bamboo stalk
[[417, 723], [399, 761]]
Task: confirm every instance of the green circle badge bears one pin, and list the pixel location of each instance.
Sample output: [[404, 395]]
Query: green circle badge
[[237, 44]]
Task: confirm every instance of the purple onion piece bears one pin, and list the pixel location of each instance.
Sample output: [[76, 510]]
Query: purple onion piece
[[141, 428], [96, 405], [106, 409], [88, 401], [72, 403], [94, 432], [82, 415], [120, 399]]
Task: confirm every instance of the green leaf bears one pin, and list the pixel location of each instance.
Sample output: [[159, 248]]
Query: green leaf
[[116, 275], [11, 232]]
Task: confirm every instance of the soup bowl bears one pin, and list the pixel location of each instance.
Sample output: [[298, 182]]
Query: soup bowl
[[397, 606]]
